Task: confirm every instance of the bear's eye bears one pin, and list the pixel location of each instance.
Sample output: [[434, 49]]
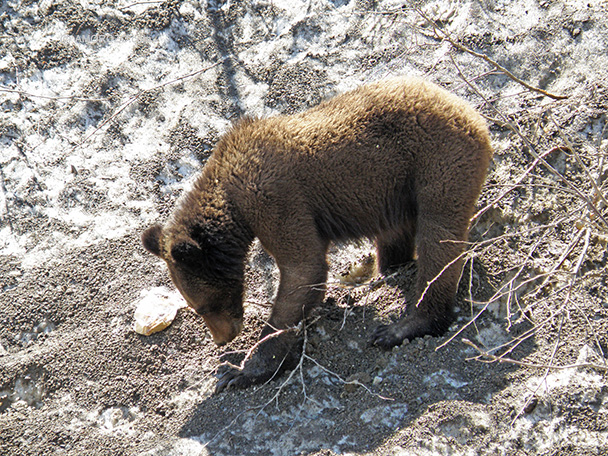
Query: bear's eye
[[188, 254], [202, 312]]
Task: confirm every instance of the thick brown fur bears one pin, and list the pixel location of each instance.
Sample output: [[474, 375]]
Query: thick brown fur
[[400, 161]]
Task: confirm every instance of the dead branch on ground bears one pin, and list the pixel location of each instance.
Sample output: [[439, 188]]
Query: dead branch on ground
[[444, 35]]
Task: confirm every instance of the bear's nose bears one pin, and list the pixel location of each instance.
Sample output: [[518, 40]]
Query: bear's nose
[[223, 327]]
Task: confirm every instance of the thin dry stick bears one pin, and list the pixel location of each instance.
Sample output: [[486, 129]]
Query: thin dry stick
[[524, 283], [442, 34], [574, 274], [586, 232], [48, 97], [259, 408], [346, 382], [560, 311], [5, 199], [549, 296], [122, 8], [434, 279], [249, 353], [283, 384], [304, 356], [345, 314], [551, 358], [532, 149], [470, 287], [499, 293], [515, 342], [559, 262], [568, 287], [519, 180], [511, 296], [598, 192], [490, 301], [501, 359], [486, 243], [134, 98], [297, 369]]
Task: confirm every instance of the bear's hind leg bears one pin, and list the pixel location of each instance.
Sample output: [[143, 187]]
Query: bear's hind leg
[[396, 248], [432, 310]]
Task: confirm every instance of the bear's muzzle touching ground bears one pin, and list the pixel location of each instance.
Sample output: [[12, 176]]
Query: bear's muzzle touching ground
[[223, 327]]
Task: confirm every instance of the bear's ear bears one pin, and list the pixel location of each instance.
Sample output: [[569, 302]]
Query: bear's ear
[[188, 253], [151, 239]]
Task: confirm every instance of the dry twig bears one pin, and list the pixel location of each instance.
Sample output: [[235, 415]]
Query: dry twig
[[490, 358], [443, 35], [22, 93], [139, 94]]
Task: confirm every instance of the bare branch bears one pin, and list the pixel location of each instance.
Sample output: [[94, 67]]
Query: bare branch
[[134, 98], [519, 180], [490, 358], [47, 97], [442, 34]]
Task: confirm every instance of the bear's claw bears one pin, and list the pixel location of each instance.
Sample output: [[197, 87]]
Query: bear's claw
[[237, 378], [272, 358], [410, 327], [386, 337], [233, 378]]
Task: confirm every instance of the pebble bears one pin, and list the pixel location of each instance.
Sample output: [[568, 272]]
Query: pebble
[[531, 405]]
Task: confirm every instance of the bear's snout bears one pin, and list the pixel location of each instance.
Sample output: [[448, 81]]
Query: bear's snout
[[223, 327]]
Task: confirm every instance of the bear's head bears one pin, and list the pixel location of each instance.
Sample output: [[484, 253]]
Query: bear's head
[[207, 274]]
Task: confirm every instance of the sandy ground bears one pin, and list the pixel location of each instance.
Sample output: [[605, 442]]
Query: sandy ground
[[110, 108]]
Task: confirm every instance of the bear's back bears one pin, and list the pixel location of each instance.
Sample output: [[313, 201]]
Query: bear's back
[[359, 162], [408, 107]]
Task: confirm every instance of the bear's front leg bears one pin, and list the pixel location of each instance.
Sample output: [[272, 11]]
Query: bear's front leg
[[301, 288]]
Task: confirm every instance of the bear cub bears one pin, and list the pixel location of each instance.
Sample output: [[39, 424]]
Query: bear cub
[[399, 161]]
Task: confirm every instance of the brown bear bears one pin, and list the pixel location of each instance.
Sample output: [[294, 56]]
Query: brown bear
[[399, 161]]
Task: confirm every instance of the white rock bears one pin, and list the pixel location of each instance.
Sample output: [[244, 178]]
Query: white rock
[[156, 310]]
